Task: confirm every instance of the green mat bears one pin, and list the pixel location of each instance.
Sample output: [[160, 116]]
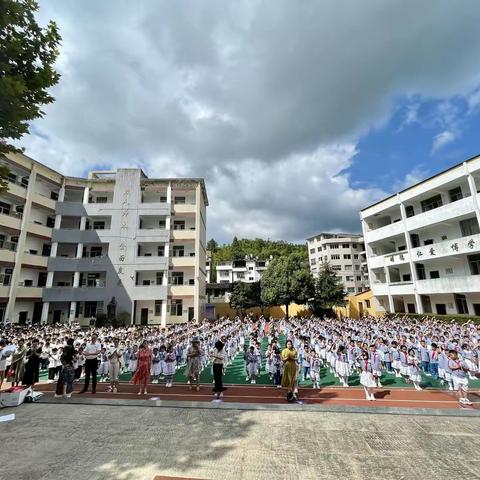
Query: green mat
[[235, 374]]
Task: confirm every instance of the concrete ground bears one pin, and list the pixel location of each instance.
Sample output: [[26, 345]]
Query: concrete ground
[[65, 441]]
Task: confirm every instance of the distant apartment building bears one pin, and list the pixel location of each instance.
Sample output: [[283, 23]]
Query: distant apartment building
[[69, 245], [249, 270], [423, 244], [344, 252]]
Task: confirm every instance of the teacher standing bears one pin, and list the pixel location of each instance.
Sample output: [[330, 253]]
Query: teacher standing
[[218, 358], [290, 371]]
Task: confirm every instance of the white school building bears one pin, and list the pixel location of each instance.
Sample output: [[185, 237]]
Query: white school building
[[423, 244]]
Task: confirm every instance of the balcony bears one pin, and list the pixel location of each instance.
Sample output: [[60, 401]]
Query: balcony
[[29, 292], [147, 292], [16, 188], [182, 261], [34, 260], [39, 230], [73, 264], [71, 209], [182, 290], [44, 201], [184, 208], [450, 284], [183, 234], [457, 246], [153, 235], [4, 291], [71, 294], [387, 231], [446, 212], [11, 220], [389, 259], [66, 235]]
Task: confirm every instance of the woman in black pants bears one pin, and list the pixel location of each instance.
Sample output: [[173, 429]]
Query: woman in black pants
[[218, 357]]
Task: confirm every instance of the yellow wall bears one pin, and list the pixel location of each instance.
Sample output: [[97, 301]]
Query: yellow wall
[[356, 306], [224, 310]]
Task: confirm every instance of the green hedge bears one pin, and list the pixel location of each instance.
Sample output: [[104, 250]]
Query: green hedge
[[447, 318]]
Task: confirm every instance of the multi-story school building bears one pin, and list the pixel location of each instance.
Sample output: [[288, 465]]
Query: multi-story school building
[[423, 244], [69, 245], [344, 252]]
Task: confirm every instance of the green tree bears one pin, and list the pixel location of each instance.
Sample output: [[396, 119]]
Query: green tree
[[27, 55], [4, 171], [212, 245], [287, 280], [237, 251], [245, 295], [328, 291]]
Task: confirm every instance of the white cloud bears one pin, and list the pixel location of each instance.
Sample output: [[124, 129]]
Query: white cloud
[[250, 95], [442, 139], [411, 178]]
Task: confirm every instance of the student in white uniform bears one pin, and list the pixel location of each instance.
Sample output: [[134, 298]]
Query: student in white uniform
[[315, 365], [252, 365], [366, 376], [459, 377]]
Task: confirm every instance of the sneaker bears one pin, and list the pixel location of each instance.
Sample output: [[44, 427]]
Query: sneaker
[[69, 395], [57, 396], [114, 390], [450, 387]]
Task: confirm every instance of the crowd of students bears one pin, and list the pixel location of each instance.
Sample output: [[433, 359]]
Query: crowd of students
[[368, 347]]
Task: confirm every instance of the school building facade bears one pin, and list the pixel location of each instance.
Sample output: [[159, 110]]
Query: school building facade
[[69, 245], [423, 244]]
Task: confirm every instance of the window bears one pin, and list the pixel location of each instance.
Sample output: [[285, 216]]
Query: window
[[455, 194], [406, 277], [469, 226], [474, 262], [54, 195], [354, 246], [159, 278], [449, 271], [177, 278], [431, 203], [176, 308], [415, 239], [5, 208], [163, 199], [428, 242], [409, 211], [355, 257], [312, 250], [334, 245], [348, 267], [336, 267], [261, 264], [28, 283], [240, 275], [250, 278], [461, 302], [345, 245], [250, 268], [99, 225], [347, 257], [420, 269], [178, 250], [349, 278], [90, 309], [359, 278], [50, 222], [101, 200], [162, 224], [351, 289], [357, 267], [319, 249], [96, 251], [367, 303], [179, 224], [313, 261], [160, 251], [334, 257], [158, 308], [434, 274], [179, 200]]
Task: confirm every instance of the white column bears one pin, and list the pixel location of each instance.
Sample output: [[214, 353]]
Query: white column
[[53, 251], [45, 307], [49, 280], [61, 194], [413, 271], [473, 191], [71, 315], [164, 314], [76, 279], [391, 304], [79, 250], [58, 221]]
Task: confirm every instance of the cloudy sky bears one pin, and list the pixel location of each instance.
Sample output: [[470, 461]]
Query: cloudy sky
[[297, 113]]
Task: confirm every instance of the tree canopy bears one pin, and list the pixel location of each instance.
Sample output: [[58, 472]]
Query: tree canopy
[[328, 291], [246, 295], [27, 55], [287, 280]]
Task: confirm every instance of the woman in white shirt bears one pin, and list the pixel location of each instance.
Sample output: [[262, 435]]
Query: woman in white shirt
[[218, 358]]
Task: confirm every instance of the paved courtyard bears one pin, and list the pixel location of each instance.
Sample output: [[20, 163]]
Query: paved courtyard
[[48, 441]]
